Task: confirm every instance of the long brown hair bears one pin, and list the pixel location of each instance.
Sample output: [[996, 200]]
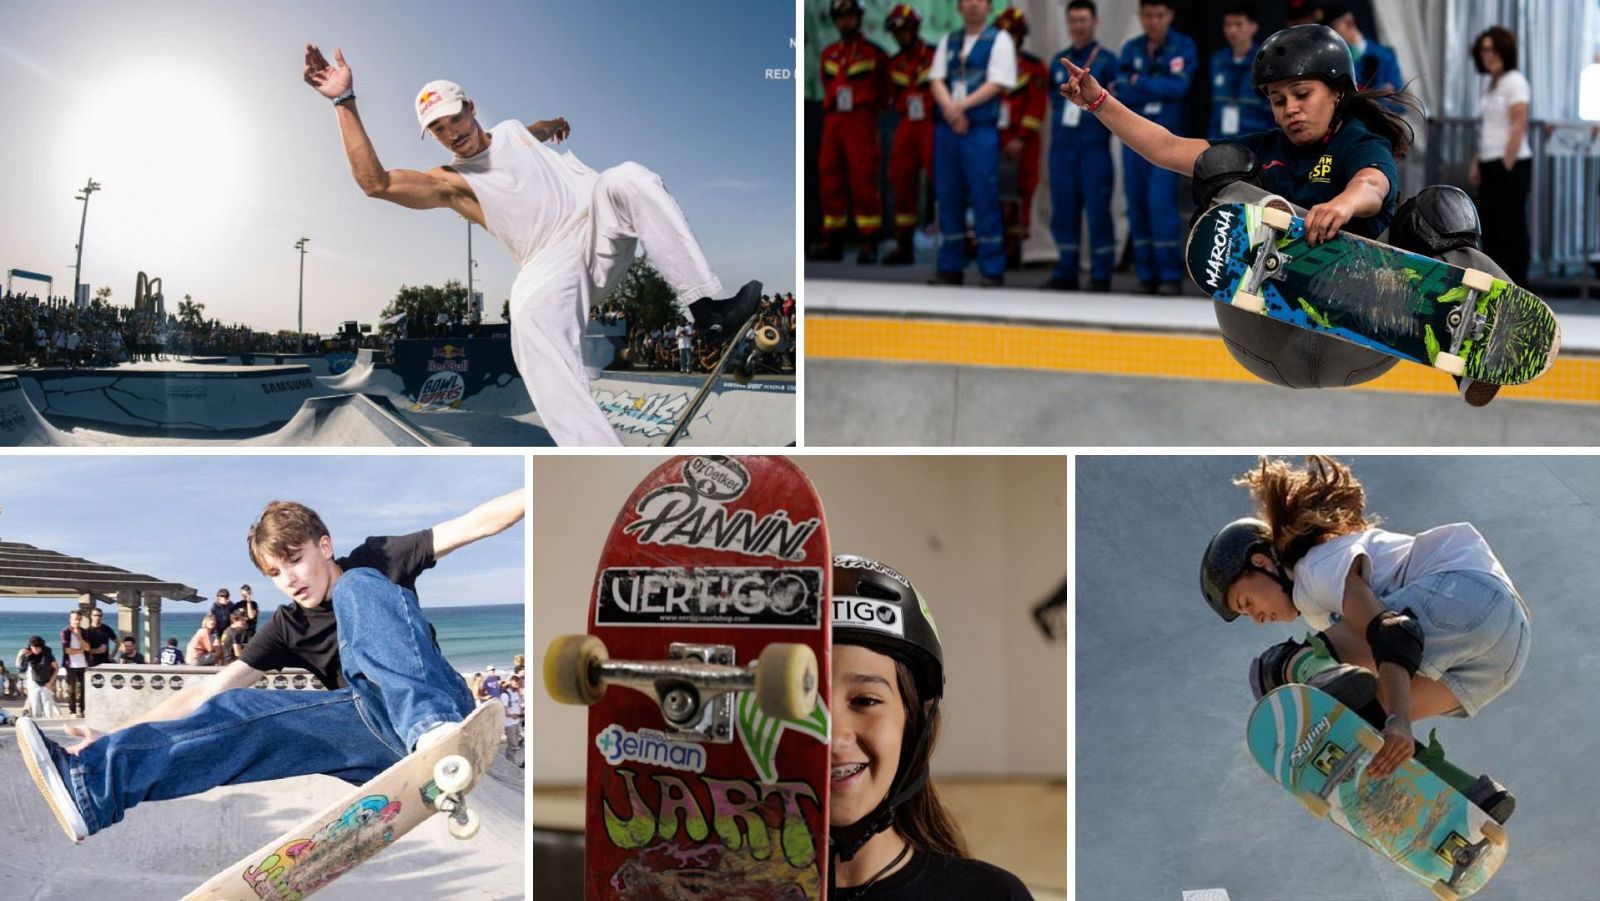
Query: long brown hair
[[1369, 108], [923, 821], [1305, 507]]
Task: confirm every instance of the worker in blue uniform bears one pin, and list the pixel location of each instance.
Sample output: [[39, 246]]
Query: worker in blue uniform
[[1080, 161], [1156, 68], [1237, 108]]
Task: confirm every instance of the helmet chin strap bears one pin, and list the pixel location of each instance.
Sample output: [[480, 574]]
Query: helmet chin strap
[[845, 842]]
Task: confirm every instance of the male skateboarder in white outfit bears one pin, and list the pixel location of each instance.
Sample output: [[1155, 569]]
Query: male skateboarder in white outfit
[[571, 230]]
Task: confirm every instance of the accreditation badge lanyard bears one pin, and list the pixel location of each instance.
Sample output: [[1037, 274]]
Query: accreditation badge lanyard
[[960, 92], [844, 97], [1231, 112]]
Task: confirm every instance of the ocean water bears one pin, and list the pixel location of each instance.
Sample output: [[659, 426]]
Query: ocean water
[[470, 637]]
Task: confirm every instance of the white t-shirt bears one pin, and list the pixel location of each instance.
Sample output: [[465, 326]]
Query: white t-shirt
[[1389, 561], [76, 658], [1002, 58], [531, 195], [1495, 108]]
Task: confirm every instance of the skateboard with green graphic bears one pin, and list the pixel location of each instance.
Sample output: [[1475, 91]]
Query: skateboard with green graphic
[[1462, 321], [705, 668], [1318, 750]]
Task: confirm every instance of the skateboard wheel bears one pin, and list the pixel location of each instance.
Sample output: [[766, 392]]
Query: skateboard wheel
[[1494, 833], [1250, 303], [1316, 805], [452, 774], [1450, 363], [1443, 891], [786, 680], [1372, 741], [1478, 280], [463, 824], [1276, 218], [767, 338], [571, 669]]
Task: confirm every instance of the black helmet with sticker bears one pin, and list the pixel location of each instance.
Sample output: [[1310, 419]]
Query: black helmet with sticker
[[876, 607]]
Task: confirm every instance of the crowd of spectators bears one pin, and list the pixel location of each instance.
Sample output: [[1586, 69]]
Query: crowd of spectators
[[52, 331], [660, 348]]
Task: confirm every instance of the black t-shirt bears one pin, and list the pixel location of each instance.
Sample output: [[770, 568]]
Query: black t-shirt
[[236, 635], [220, 610], [37, 666], [934, 877], [309, 638], [1317, 173], [98, 636]]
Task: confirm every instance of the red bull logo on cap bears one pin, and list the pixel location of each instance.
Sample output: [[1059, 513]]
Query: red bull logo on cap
[[428, 100]]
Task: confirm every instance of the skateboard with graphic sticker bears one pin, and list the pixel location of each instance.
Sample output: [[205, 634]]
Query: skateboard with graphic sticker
[[1465, 322], [369, 817], [1318, 750], [705, 669]]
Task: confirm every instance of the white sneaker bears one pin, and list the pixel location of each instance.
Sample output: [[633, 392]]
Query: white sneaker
[[36, 754], [434, 735]]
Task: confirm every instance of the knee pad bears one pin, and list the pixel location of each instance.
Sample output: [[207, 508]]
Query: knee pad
[[1219, 166], [1396, 638], [1441, 218]]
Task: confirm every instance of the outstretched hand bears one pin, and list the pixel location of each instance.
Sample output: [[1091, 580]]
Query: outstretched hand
[[328, 80], [85, 735], [1081, 87], [553, 130]]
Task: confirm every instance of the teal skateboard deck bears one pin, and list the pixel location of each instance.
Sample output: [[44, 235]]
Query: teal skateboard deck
[[1465, 322], [1318, 750]]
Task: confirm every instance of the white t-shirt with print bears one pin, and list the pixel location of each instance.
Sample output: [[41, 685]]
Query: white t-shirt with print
[[1388, 561]]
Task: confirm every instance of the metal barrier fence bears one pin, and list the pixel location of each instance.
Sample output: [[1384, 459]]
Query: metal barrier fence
[[1564, 201]]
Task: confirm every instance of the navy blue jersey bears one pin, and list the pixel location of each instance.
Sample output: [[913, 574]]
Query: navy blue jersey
[[1317, 173]]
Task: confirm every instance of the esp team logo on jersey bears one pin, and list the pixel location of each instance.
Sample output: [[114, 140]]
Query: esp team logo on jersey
[[1321, 172]]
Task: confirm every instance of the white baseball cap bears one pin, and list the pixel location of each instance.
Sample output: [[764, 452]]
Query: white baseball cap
[[439, 99]]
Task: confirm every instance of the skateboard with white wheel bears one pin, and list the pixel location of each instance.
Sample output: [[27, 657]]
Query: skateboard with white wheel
[[1464, 322], [370, 817], [705, 670], [1318, 750]]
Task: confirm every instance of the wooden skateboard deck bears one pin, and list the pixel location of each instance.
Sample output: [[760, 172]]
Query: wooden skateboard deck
[[1316, 747], [1465, 322], [363, 822], [722, 560]]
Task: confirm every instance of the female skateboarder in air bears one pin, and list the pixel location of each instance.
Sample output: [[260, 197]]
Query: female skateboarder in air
[[1433, 615], [889, 836]]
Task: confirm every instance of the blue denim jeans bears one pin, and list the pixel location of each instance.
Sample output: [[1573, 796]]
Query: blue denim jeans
[[398, 685]]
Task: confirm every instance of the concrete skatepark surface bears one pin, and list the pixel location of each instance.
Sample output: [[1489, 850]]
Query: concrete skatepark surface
[[207, 404], [1169, 801], [163, 849]]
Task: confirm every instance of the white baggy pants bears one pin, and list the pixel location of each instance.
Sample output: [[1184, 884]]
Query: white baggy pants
[[551, 296]]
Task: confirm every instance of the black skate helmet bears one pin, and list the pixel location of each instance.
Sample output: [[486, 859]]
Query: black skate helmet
[[1228, 556], [877, 608], [1314, 51]]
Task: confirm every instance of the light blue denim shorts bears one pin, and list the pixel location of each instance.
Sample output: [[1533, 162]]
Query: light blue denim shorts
[[1475, 633]]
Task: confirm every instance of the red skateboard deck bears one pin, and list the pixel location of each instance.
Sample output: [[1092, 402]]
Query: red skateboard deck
[[707, 776]]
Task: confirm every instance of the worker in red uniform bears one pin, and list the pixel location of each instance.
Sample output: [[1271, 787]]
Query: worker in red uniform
[[1022, 112], [855, 83], [911, 155]]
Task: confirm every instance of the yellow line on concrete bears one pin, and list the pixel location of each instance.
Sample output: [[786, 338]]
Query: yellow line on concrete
[[1573, 379]]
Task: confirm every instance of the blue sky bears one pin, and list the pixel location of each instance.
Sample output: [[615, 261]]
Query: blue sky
[[184, 518], [215, 156]]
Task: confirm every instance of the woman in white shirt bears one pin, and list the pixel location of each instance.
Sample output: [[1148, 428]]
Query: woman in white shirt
[[1411, 626], [1502, 171]]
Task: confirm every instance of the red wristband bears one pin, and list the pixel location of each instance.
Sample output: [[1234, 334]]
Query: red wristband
[[1100, 102]]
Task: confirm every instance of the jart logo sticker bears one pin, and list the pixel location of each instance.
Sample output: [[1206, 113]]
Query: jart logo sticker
[[720, 596], [651, 747], [865, 613], [691, 514], [442, 390]]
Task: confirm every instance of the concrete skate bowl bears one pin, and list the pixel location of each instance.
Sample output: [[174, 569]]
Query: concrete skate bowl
[[331, 421], [164, 849], [1168, 801], [899, 365], [468, 392]]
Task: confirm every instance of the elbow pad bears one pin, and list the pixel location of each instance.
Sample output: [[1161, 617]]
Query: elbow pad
[[1396, 638]]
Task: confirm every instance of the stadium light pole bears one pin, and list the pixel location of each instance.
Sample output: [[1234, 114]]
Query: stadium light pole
[[471, 264], [300, 319], [77, 267]]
